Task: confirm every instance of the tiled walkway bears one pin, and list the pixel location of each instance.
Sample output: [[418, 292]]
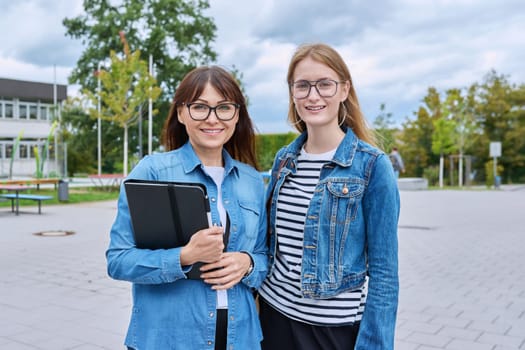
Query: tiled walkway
[[462, 259]]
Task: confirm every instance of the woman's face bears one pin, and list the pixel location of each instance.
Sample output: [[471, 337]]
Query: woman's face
[[316, 110], [211, 134]]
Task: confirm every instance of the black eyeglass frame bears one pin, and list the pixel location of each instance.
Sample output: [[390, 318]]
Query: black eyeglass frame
[[214, 109], [313, 83]]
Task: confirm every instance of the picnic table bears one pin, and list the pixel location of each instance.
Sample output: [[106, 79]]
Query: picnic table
[[30, 182], [17, 189]]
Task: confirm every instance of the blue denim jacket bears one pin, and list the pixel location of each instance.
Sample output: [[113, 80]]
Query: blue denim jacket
[[169, 311], [350, 232]]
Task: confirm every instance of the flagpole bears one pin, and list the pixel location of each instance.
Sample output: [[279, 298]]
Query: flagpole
[[99, 125], [150, 111]]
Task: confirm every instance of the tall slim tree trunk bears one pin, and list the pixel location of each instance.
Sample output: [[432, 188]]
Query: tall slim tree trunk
[[125, 165], [441, 166]]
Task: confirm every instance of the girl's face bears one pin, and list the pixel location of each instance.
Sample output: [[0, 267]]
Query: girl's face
[[316, 110], [209, 135]]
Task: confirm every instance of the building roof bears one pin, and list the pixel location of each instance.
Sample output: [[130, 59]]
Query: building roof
[[28, 90]]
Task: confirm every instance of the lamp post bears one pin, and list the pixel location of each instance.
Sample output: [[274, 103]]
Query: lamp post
[[99, 125], [150, 111]]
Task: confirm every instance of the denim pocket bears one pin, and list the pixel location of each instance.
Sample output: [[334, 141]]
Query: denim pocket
[[250, 214], [343, 199], [339, 209]]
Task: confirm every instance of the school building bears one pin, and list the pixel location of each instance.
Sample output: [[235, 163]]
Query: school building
[[26, 115]]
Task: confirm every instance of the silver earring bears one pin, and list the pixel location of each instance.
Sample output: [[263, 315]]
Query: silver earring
[[344, 115]]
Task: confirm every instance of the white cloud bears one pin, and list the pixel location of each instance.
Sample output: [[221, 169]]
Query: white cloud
[[395, 49]]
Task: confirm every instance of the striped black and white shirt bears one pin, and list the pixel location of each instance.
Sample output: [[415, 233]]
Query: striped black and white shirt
[[282, 289]]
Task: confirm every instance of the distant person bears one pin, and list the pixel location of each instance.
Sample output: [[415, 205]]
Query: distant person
[[209, 139], [334, 208], [397, 162]]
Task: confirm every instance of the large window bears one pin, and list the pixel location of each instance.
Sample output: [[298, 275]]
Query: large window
[[43, 112], [22, 111], [8, 110], [25, 149], [33, 112], [8, 150]]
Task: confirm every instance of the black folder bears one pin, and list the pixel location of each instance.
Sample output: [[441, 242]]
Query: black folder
[[166, 214]]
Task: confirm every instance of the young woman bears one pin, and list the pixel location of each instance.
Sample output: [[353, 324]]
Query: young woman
[[333, 281], [210, 139]]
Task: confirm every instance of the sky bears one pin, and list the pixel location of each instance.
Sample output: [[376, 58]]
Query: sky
[[395, 49]]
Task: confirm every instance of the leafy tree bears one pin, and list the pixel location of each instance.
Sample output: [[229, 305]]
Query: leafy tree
[[174, 32], [416, 135], [443, 141], [458, 109], [498, 113], [125, 87], [79, 132]]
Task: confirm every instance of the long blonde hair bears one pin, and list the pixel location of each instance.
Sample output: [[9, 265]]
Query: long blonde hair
[[349, 111]]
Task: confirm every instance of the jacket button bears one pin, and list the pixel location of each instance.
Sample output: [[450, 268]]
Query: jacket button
[[211, 314], [210, 342], [345, 190]]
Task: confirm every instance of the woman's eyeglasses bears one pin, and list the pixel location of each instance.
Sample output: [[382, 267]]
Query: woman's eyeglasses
[[223, 111], [324, 87]]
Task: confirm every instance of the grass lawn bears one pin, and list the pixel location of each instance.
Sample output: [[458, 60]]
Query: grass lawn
[[76, 195]]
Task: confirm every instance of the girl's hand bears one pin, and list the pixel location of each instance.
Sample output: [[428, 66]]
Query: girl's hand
[[205, 245], [228, 271]]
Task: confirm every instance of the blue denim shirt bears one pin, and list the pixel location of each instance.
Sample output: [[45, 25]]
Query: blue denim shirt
[[350, 232], [170, 311]]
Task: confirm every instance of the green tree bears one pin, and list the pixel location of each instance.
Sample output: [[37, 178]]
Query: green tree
[[500, 114], [416, 135], [458, 108], [443, 141], [125, 87], [79, 132], [176, 34]]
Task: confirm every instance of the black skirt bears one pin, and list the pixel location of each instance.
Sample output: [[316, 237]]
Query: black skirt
[[283, 333]]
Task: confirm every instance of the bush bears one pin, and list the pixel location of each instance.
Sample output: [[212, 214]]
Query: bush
[[431, 173]]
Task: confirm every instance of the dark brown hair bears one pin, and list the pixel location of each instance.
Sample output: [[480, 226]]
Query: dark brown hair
[[241, 145], [349, 111]]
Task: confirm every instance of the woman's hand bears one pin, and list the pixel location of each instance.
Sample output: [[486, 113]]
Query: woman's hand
[[228, 271], [205, 245]]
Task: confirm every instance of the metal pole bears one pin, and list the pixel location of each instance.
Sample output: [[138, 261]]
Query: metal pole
[[495, 167], [56, 114], [140, 132], [65, 159], [150, 111], [99, 125]]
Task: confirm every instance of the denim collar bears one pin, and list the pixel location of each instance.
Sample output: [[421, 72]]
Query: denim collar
[[343, 155], [190, 161]]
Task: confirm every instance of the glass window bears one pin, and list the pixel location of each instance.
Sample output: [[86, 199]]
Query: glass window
[[32, 112], [8, 150], [22, 112], [43, 112], [23, 151], [8, 110]]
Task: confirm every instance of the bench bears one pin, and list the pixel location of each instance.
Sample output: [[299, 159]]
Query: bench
[[28, 182], [33, 197]]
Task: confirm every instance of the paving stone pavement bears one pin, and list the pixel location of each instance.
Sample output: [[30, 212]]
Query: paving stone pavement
[[461, 273]]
